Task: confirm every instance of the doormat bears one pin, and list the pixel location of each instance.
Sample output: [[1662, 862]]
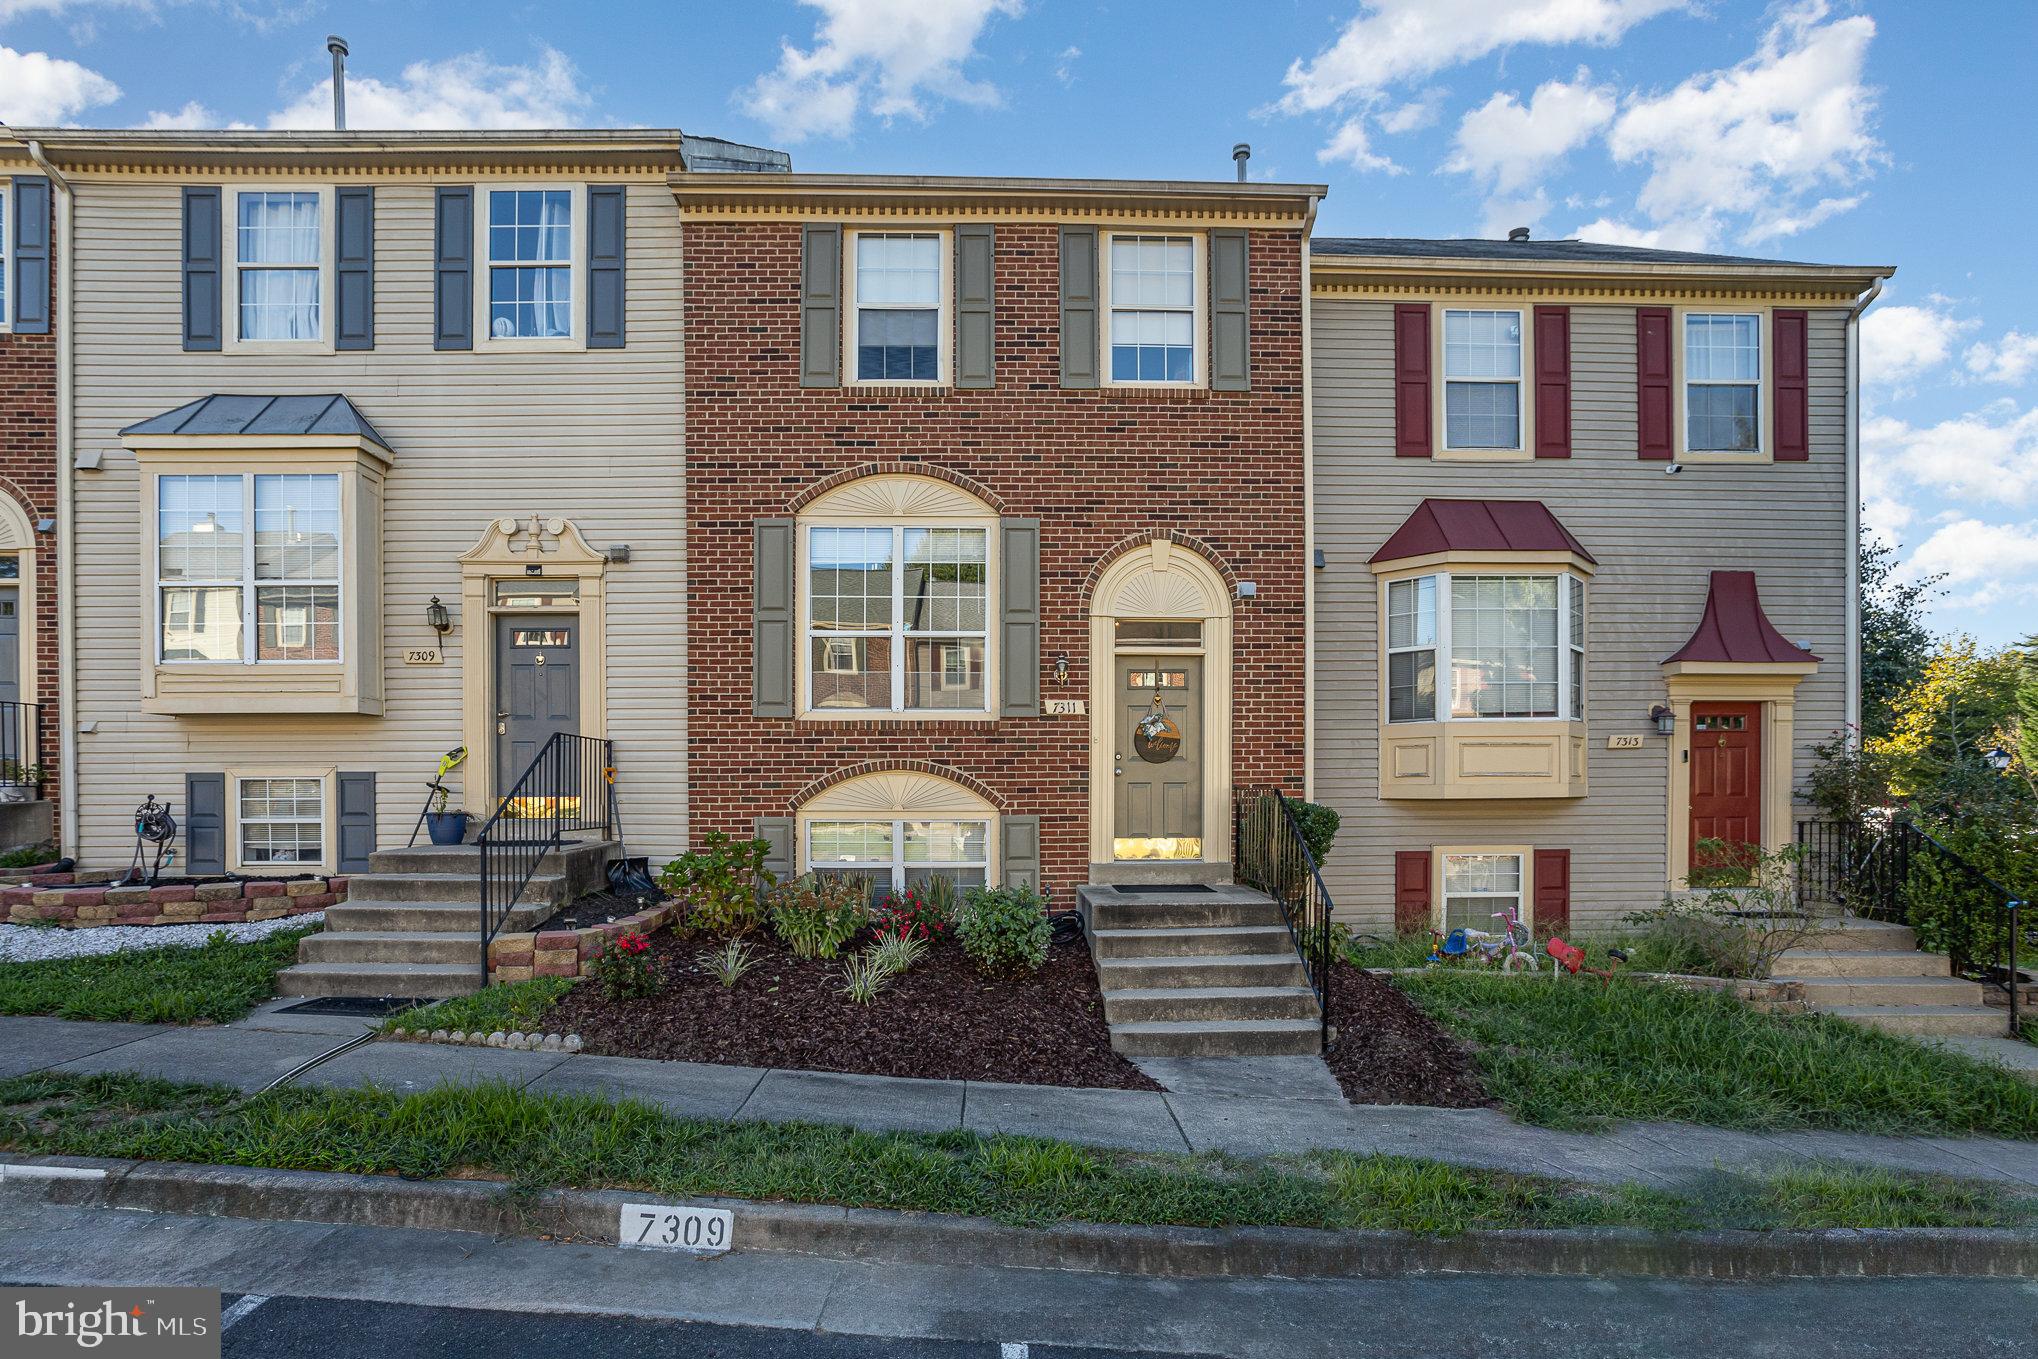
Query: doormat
[[1162, 888], [364, 1007]]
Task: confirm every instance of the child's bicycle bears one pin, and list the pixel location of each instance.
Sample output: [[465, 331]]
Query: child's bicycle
[[1511, 947]]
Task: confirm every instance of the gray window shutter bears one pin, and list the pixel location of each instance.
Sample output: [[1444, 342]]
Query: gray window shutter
[[975, 328], [453, 270], [1019, 617], [771, 620], [1230, 350], [354, 266], [204, 823], [1079, 366], [30, 252], [357, 820], [606, 210], [1019, 864], [202, 271], [777, 833], [821, 306]]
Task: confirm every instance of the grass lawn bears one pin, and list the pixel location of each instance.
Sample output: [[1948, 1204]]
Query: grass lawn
[[541, 1141], [219, 980], [1572, 1054], [513, 1007]]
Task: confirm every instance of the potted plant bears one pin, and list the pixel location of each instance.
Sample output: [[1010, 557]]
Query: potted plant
[[18, 781], [446, 828]]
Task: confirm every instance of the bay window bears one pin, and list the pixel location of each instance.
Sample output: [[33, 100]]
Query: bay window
[[278, 256], [1153, 309], [1722, 382], [897, 617], [897, 306], [226, 594], [894, 855], [1482, 379], [1512, 645]]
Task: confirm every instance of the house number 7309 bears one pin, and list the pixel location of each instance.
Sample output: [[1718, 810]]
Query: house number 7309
[[660, 1226]]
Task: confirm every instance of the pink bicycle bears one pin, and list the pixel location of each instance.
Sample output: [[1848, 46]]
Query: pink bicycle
[[1512, 947]]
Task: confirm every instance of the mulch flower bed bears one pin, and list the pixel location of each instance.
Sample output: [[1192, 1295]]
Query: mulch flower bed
[[940, 1020], [1388, 1051]]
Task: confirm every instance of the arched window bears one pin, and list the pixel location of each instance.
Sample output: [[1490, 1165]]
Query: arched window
[[899, 829]]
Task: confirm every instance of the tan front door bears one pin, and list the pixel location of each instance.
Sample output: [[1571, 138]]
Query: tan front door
[[1158, 806]]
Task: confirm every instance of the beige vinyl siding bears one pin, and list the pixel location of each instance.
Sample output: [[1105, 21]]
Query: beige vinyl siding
[[1656, 538], [595, 437]]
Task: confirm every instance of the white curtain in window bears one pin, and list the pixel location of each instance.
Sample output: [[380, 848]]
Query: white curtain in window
[[278, 230]]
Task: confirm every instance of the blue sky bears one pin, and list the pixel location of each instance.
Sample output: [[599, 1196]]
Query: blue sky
[[1864, 132]]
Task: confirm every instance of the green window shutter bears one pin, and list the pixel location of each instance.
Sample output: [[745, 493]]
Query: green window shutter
[[821, 306], [204, 823], [354, 267], [975, 320], [1019, 863], [777, 833], [1079, 367], [453, 269], [29, 251], [356, 820], [606, 206], [1230, 347], [202, 270], [1019, 617], [771, 619]]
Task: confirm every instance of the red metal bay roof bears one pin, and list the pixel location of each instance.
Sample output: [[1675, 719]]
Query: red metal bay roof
[[1479, 526], [1734, 628]]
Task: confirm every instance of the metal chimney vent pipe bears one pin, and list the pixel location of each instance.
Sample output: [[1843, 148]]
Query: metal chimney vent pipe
[[337, 45], [1518, 234], [1240, 154]]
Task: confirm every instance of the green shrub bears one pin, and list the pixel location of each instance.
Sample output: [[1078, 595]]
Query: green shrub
[[1005, 929], [1318, 824], [720, 886], [32, 857], [1954, 914], [897, 952], [863, 976], [728, 963], [815, 916]]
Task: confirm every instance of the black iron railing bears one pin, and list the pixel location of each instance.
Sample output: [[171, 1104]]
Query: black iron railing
[[1269, 853], [1893, 870], [21, 750], [565, 791]]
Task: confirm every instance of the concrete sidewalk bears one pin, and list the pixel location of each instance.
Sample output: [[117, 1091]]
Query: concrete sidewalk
[[1204, 1109]]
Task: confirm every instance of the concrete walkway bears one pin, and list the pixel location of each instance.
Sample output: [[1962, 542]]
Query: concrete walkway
[[1207, 1108]]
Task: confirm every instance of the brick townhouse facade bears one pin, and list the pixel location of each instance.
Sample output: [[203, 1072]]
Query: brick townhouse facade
[[1182, 499]]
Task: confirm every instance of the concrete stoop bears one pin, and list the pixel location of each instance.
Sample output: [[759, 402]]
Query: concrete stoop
[[1873, 974], [411, 925], [1199, 970]]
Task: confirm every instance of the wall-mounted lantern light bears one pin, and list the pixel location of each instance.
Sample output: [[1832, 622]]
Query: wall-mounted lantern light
[[436, 615], [1061, 667], [1998, 760], [1665, 720]]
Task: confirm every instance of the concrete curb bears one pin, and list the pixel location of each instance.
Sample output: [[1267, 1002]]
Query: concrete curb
[[867, 1234]]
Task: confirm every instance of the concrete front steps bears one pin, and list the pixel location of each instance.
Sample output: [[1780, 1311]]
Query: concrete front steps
[[1199, 970], [1872, 973], [411, 925]]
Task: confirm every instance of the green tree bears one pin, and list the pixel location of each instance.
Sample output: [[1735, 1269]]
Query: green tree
[[1895, 643], [2027, 710], [1964, 704]]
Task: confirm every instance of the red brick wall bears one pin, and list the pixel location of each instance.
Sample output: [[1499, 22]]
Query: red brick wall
[[1097, 468], [28, 473]]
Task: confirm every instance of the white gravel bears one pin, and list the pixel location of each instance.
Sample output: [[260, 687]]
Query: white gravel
[[30, 943]]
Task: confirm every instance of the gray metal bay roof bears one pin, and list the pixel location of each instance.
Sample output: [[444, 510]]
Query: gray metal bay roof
[[279, 415]]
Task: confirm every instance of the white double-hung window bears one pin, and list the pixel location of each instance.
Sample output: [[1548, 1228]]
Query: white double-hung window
[[897, 305], [900, 854], [1722, 382], [530, 264], [225, 594], [279, 250], [1482, 379], [1478, 887], [282, 821], [1515, 646], [1153, 309], [897, 618]]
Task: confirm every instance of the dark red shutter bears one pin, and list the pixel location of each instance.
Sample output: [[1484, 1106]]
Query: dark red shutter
[[1655, 408], [1411, 381], [1553, 382], [1789, 334], [1553, 891], [1411, 891]]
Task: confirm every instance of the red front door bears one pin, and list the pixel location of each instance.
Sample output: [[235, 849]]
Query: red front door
[[1726, 779]]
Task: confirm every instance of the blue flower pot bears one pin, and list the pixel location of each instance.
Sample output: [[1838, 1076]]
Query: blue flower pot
[[446, 828]]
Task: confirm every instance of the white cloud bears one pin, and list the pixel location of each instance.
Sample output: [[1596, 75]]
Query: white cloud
[[1353, 145], [192, 117], [1900, 342], [1983, 564], [1503, 215], [1389, 41], [1065, 64], [37, 89], [1989, 456], [1414, 115], [1671, 236], [891, 58], [467, 91], [2010, 359], [1509, 145], [17, 9], [1757, 139]]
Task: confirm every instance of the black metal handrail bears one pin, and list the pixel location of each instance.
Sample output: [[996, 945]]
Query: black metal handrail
[[21, 745], [564, 790], [1871, 870], [1269, 853]]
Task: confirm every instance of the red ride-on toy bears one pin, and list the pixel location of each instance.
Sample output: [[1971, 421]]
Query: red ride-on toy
[[1570, 958]]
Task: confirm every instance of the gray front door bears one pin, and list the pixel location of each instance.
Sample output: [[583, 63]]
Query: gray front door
[[1159, 806], [10, 644], [537, 688]]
